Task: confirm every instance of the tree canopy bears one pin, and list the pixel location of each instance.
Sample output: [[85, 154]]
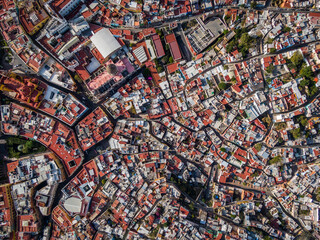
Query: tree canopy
[[245, 39], [303, 120], [253, 4], [286, 29], [270, 69], [296, 133], [297, 59], [275, 160], [307, 73], [223, 85], [308, 77]]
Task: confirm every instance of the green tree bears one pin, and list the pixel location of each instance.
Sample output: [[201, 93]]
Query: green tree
[[297, 59], [308, 133], [267, 120], [77, 78], [171, 60], [303, 120], [313, 90], [191, 206], [103, 181], [304, 82], [223, 85], [307, 73], [275, 160], [159, 32], [27, 147], [267, 238], [286, 29], [13, 153], [244, 51], [258, 146], [167, 224], [245, 39], [270, 69], [296, 133], [273, 50], [317, 193], [223, 149], [270, 40], [159, 69], [230, 47], [304, 212], [253, 4]]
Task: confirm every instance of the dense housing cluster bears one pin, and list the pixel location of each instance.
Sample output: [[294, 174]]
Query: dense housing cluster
[[194, 119]]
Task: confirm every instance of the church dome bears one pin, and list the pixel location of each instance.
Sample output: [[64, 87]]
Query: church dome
[[112, 69]]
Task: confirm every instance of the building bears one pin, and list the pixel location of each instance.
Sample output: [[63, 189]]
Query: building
[[32, 16], [158, 45], [64, 7], [174, 47], [105, 42], [140, 54], [73, 205], [204, 34], [29, 90], [6, 212], [93, 128]]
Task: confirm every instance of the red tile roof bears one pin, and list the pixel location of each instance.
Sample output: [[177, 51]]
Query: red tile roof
[[158, 45], [172, 67], [174, 47]]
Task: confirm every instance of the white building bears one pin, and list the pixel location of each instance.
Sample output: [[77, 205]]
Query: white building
[[105, 42]]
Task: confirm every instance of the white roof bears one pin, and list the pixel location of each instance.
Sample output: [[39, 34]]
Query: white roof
[[140, 54], [52, 94], [73, 205], [93, 65], [105, 42], [133, 4]]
